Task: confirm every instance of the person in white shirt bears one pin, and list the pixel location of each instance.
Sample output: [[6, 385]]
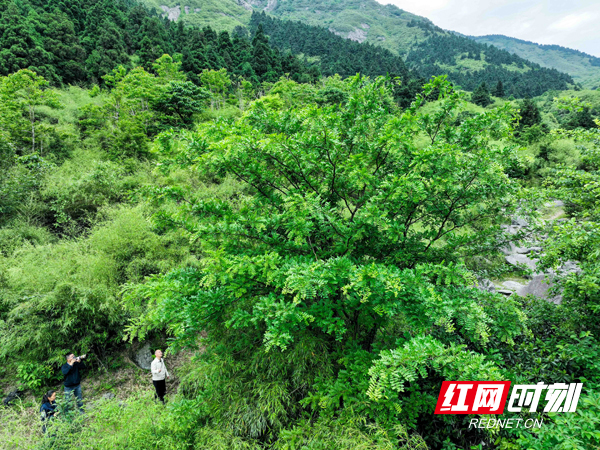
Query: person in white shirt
[[159, 372]]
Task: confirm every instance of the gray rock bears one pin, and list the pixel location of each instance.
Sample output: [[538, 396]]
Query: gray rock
[[569, 267], [505, 292], [555, 204], [512, 229], [485, 285], [518, 260], [509, 249], [143, 357], [513, 285], [357, 35], [519, 222], [172, 13], [539, 287], [527, 250], [108, 396]]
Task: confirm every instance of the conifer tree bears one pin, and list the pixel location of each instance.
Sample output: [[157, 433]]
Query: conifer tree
[[481, 96], [530, 114], [499, 91]]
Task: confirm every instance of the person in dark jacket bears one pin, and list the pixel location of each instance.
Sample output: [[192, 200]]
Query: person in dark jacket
[[48, 408], [71, 371]]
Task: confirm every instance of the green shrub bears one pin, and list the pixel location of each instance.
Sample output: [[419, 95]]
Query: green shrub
[[64, 296]]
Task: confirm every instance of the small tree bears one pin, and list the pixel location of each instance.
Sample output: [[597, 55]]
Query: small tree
[[217, 82], [530, 114], [481, 96], [30, 91], [180, 102], [499, 91]]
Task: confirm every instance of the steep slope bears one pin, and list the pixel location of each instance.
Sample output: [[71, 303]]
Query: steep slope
[[584, 68], [359, 20], [218, 14]]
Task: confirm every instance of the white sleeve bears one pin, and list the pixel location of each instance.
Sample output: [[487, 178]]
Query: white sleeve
[[154, 367]]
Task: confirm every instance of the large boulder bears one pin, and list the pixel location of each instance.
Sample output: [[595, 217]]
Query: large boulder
[[519, 259], [511, 229], [143, 357], [519, 222], [539, 287], [512, 285], [509, 249]]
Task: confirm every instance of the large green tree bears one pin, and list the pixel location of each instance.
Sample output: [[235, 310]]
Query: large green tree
[[344, 243]]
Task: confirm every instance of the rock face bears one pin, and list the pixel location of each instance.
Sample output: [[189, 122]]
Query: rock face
[[518, 259], [336, 32], [485, 285], [513, 285], [171, 13], [271, 5], [358, 35], [245, 5], [539, 287], [108, 396], [143, 357], [540, 283]]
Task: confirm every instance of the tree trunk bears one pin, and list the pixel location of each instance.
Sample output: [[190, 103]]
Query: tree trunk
[[32, 119]]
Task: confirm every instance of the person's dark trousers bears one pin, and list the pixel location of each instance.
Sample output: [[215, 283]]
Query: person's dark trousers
[[161, 389], [74, 390]]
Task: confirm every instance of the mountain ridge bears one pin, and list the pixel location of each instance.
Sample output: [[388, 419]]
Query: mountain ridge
[[364, 21], [583, 67]]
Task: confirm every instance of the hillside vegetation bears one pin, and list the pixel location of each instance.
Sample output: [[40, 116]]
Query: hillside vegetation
[[584, 68], [404, 34]]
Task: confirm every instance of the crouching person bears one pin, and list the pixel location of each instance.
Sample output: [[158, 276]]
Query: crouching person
[[71, 370], [159, 372], [48, 408]]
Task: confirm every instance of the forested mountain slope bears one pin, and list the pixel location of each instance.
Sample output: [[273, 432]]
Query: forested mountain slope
[[83, 40], [584, 68], [467, 63], [427, 49]]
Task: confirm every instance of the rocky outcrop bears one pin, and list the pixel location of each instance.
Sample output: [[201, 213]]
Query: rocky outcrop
[[525, 257], [520, 260], [539, 286], [486, 285], [358, 35], [171, 13], [336, 32], [271, 5], [244, 4], [143, 357]]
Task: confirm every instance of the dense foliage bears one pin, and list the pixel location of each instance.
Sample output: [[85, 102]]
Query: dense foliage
[[82, 41]]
